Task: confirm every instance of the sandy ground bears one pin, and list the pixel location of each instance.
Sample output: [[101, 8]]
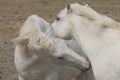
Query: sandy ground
[[14, 12]]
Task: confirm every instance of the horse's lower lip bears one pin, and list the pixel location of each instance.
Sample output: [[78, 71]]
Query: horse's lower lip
[[80, 68], [83, 69]]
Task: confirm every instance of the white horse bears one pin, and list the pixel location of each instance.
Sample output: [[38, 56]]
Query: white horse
[[98, 36], [32, 60], [84, 75], [87, 75]]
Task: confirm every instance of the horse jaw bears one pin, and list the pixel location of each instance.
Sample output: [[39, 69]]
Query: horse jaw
[[62, 33]]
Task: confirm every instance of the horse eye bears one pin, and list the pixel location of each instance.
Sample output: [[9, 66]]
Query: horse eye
[[60, 58], [57, 18]]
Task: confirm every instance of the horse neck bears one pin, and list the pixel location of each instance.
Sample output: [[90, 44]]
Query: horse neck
[[87, 38]]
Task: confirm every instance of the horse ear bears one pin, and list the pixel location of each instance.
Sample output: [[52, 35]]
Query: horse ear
[[69, 8]]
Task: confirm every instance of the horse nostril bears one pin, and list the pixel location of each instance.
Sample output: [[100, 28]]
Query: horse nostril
[[57, 18], [60, 58]]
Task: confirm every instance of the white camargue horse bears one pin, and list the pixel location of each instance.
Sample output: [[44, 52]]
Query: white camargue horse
[[86, 75], [32, 54], [98, 36]]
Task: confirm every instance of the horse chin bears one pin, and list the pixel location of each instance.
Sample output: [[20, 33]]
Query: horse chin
[[83, 69]]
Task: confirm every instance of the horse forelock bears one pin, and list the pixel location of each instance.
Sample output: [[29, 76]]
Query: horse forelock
[[80, 10], [83, 11], [30, 32]]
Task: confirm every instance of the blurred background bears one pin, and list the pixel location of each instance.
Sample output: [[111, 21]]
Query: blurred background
[[13, 13]]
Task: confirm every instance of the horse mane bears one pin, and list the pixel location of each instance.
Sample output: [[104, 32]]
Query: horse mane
[[83, 10], [30, 33], [87, 12]]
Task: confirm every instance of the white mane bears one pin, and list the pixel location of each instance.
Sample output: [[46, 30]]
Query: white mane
[[91, 14], [98, 35], [29, 31]]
